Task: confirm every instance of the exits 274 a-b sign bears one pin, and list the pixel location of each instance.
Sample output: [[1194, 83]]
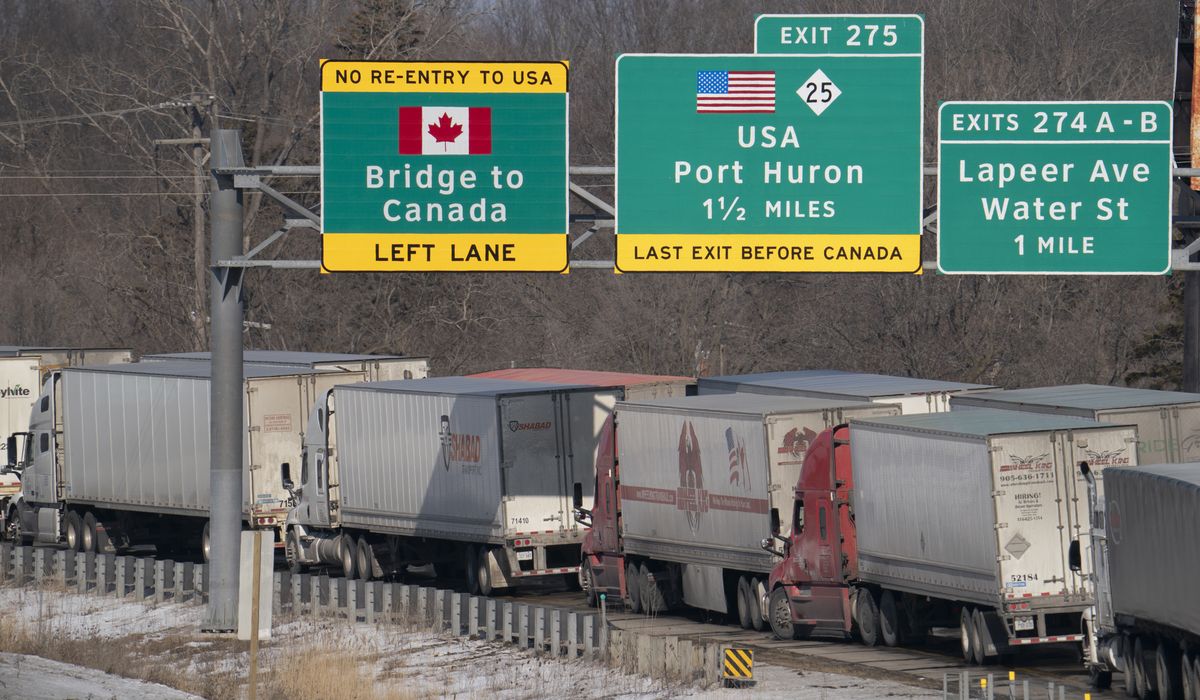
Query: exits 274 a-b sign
[[443, 166]]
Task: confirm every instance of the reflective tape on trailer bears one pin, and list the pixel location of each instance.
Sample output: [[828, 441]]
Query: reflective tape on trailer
[[535, 532], [546, 572], [1048, 640]]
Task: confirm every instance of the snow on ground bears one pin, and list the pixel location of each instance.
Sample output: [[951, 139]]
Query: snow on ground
[[161, 642], [35, 678]]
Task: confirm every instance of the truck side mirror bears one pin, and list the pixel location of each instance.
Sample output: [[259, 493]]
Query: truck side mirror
[[11, 446], [774, 521], [577, 496], [1074, 559], [285, 472]]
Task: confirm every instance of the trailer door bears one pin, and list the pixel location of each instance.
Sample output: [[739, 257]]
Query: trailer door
[[1029, 473], [585, 413], [533, 474], [18, 391]]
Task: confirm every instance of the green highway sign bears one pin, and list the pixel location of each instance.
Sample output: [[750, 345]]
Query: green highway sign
[[443, 166], [804, 159], [1054, 187]]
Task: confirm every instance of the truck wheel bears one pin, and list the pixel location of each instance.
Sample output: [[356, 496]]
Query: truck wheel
[[1191, 667], [780, 614], [365, 561], [485, 572], [87, 533], [587, 582], [1143, 671], [1167, 672], [889, 619], [980, 638], [653, 600], [868, 617], [744, 600], [633, 589], [757, 619], [472, 567], [72, 529], [292, 551], [966, 633], [347, 551], [205, 541]]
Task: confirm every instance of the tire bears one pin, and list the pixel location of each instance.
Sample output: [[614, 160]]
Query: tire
[[633, 590], [1143, 671], [89, 533], [471, 556], [758, 621], [587, 583], [868, 617], [484, 572], [889, 619], [205, 542], [966, 634], [1167, 676], [364, 562], [1187, 663], [744, 600], [292, 549], [653, 600], [779, 612], [1194, 672], [73, 531], [980, 631], [347, 552]]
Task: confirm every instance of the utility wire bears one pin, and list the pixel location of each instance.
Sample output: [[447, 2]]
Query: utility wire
[[84, 115]]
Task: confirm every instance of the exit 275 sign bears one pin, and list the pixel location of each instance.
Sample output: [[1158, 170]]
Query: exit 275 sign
[[443, 166], [1054, 187]]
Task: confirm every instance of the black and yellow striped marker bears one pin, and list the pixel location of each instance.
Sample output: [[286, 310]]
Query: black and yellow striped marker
[[739, 665]]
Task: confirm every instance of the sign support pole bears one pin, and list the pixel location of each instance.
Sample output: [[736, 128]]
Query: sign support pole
[[225, 480], [1191, 280]]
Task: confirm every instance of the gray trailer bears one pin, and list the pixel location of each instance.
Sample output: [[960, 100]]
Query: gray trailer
[[1146, 549], [1168, 422], [375, 368], [978, 517], [115, 456], [912, 394], [702, 480], [473, 475]]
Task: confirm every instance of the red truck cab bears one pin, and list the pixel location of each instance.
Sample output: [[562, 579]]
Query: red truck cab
[[809, 591], [603, 567]]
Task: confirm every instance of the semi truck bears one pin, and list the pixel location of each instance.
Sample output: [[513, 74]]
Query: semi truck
[[912, 394], [475, 476], [116, 456], [1145, 622], [975, 519], [632, 386], [1168, 422], [686, 489], [374, 367]]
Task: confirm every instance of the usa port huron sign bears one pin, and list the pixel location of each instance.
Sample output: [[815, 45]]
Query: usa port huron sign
[[804, 157], [1054, 187], [444, 166]]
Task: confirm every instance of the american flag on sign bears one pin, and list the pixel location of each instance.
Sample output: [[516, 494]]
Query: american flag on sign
[[735, 91], [738, 475]]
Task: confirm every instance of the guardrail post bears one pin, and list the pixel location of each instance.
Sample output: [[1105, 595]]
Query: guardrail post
[[409, 603], [40, 564], [85, 572], [539, 628], [589, 635], [506, 621], [300, 587], [556, 646], [282, 585], [65, 567], [200, 584], [23, 564], [139, 578], [491, 618], [320, 598], [337, 596], [6, 552], [163, 572], [353, 599], [121, 580], [372, 602], [459, 603], [572, 635], [391, 596], [185, 580]]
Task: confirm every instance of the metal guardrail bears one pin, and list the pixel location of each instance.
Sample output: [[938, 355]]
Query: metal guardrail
[[963, 685], [546, 629]]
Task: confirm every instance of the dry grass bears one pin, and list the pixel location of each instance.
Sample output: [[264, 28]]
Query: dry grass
[[322, 673]]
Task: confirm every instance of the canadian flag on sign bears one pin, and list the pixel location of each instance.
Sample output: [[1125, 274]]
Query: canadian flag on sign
[[445, 131]]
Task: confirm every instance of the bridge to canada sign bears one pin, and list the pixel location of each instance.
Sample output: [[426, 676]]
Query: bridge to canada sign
[[444, 166], [804, 157]]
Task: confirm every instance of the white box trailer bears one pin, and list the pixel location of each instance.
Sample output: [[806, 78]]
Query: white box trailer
[[376, 368], [983, 509], [1168, 422], [467, 473], [22, 369], [126, 449], [702, 479], [912, 394]]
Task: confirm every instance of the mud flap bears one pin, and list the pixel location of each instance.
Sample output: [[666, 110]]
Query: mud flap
[[498, 567], [994, 635]]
